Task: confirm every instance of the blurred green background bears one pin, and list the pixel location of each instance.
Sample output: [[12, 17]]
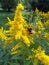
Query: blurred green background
[[7, 7]]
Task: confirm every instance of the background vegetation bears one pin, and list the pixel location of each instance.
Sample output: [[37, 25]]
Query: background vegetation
[[42, 5]]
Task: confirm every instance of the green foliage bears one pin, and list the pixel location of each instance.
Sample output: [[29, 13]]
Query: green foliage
[[32, 4], [28, 3], [7, 5]]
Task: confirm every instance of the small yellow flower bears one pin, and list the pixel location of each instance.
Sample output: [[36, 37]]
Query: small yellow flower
[[47, 23], [2, 35], [46, 36], [20, 7], [40, 55], [45, 15], [15, 52], [40, 25], [16, 47], [36, 11]]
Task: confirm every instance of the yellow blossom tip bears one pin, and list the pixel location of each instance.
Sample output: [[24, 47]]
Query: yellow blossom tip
[[20, 7]]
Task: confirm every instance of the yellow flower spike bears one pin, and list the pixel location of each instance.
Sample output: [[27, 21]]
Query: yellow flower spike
[[18, 27], [15, 52], [26, 40], [2, 35], [18, 15], [40, 25], [36, 11], [41, 56], [16, 47], [20, 7]]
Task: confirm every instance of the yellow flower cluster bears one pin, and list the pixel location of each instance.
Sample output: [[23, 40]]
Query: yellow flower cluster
[[36, 11], [40, 25], [41, 56], [45, 15], [42, 14], [18, 29], [15, 49], [47, 23], [18, 26], [46, 36], [2, 35]]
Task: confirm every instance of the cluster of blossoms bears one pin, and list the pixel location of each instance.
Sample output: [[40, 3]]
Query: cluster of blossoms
[[39, 55], [28, 35]]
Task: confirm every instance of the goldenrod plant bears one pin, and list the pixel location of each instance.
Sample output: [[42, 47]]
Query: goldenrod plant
[[25, 42]]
